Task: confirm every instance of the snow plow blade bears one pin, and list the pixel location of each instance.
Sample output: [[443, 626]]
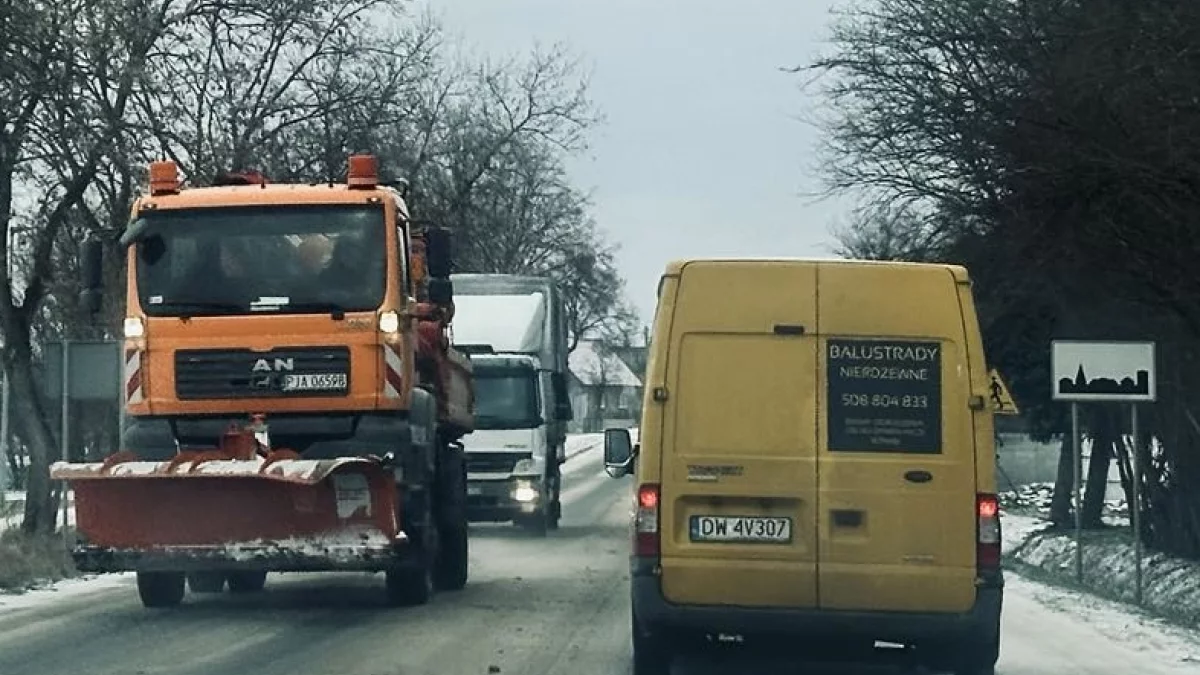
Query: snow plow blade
[[205, 511]]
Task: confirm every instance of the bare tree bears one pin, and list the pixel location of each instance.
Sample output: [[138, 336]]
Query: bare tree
[[1051, 148], [71, 69]]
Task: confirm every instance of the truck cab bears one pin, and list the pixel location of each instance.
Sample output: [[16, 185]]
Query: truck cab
[[509, 455]]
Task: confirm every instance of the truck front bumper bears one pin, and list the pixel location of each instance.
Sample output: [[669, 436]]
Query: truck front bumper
[[504, 499]]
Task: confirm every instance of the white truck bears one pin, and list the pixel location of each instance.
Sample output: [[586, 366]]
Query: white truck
[[514, 328]]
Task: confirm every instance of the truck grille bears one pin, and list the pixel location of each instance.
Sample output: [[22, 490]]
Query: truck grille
[[241, 373], [493, 462]]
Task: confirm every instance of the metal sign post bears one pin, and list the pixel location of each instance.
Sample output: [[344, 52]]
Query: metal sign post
[[1077, 489], [1083, 371], [63, 440], [1135, 509]]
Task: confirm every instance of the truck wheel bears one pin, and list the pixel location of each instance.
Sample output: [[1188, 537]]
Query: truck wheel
[[536, 523], [160, 589], [555, 508], [450, 572], [206, 582], [409, 586], [247, 582], [454, 558]]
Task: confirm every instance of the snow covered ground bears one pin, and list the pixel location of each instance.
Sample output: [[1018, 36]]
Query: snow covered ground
[[1171, 587]]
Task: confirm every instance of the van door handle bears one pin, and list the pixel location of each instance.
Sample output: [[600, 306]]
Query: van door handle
[[789, 329], [918, 476]]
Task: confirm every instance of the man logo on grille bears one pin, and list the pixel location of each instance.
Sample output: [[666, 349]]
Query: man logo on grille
[[266, 366]]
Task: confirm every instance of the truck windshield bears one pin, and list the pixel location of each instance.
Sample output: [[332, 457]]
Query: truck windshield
[[233, 260], [506, 398]]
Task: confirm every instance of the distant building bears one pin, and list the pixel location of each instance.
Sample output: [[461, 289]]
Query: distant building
[[605, 390]]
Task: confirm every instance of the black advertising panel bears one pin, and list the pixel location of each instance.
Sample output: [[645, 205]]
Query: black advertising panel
[[884, 396]]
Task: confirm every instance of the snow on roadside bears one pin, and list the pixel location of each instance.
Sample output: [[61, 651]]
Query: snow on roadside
[[61, 590], [1171, 586], [1158, 639]]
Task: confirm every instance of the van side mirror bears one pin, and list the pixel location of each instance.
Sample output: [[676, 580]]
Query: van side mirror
[[438, 254], [618, 452], [91, 274]]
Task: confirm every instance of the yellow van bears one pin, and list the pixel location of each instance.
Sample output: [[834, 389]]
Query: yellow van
[[816, 461]]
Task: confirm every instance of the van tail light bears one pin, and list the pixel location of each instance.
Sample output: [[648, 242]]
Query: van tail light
[[987, 550], [645, 521]]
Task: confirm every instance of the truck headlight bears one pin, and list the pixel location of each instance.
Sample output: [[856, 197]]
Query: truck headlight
[[525, 491], [389, 322], [134, 328], [525, 466]]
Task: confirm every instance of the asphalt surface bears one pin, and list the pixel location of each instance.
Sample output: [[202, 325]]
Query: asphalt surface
[[532, 607]]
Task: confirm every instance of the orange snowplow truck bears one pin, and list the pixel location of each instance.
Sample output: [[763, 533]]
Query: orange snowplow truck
[[293, 402]]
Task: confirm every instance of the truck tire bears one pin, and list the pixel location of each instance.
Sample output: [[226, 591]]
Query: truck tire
[[206, 582], [555, 506], [247, 581], [409, 586], [160, 589], [536, 524], [453, 559]]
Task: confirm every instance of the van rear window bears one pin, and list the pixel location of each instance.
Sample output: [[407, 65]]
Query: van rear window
[[884, 396]]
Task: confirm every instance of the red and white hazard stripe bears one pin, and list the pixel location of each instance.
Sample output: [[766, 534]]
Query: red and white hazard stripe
[[133, 376], [393, 371]]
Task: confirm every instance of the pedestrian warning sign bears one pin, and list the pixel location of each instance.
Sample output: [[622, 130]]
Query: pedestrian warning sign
[[1002, 401]]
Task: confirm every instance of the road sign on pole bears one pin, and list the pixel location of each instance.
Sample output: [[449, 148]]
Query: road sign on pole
[[1102, 371], [1092, 371]]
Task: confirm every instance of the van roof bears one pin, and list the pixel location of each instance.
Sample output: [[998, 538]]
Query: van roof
[[675, 267]]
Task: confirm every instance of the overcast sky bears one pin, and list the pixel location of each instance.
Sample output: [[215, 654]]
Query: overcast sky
[[701, 152]]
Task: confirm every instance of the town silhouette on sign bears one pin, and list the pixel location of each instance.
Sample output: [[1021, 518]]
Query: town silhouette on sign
[[1105, 385]]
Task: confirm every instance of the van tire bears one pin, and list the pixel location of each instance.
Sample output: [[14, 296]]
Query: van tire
[[652, 654], [968, 658]]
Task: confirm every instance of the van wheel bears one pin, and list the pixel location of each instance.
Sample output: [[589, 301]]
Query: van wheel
[[967, 658], [978, 659], [651, 653]]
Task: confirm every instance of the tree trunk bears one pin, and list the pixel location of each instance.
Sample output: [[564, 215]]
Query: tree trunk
[[1060, 504], [40, 508], [1103, 437]]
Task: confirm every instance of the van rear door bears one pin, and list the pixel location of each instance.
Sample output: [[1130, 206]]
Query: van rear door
[[738, 493], [896, 462]]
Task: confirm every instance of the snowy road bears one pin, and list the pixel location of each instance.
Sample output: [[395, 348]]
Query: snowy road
[[533, 607]]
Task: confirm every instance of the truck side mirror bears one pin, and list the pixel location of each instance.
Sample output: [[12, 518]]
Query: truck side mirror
[[92, 274], [438, 254], [618, 452]]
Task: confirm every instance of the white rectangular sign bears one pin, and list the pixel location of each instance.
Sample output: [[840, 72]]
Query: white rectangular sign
[[1102, 371]]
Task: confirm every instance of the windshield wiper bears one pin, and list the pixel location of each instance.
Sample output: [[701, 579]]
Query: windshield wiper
[[336, 311]]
